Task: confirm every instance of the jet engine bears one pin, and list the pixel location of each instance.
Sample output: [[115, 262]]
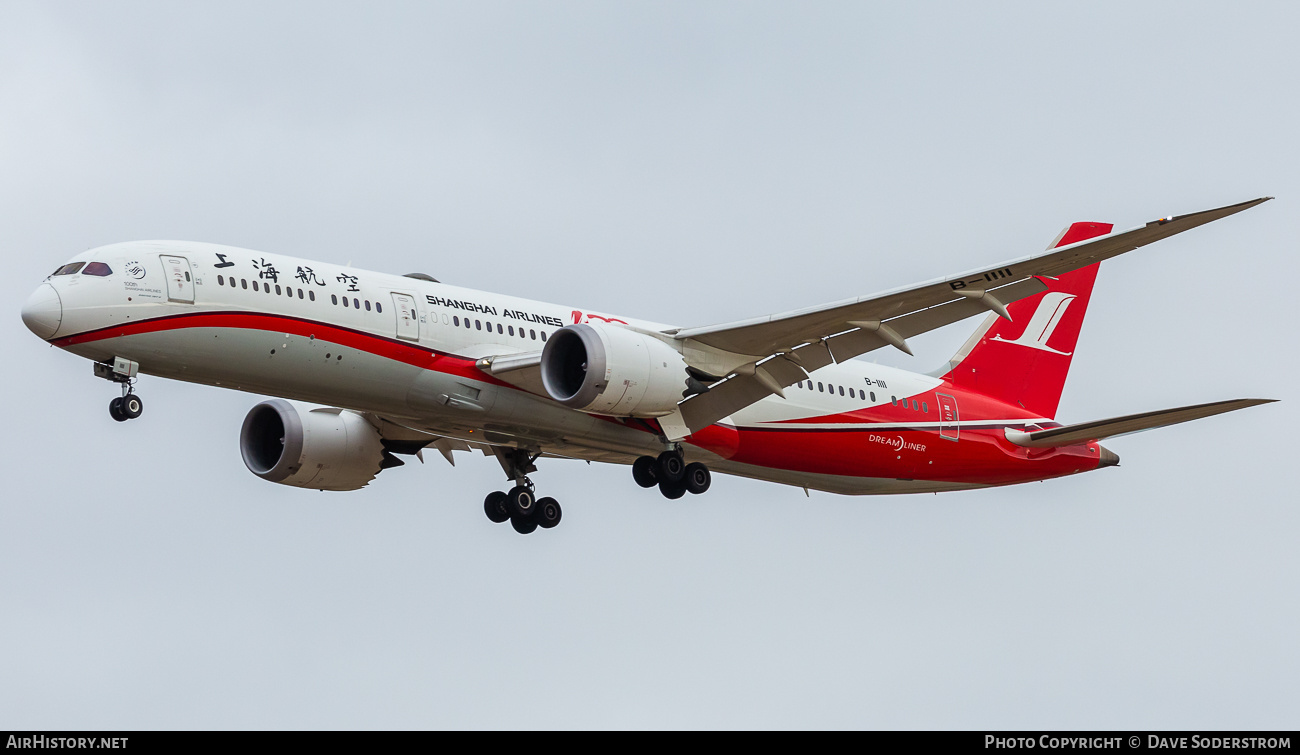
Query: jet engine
[[311, 447], [605, 369]]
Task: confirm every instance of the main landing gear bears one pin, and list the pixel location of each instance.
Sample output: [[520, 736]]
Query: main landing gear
[[122, 371], [520, 506], [672, 474]]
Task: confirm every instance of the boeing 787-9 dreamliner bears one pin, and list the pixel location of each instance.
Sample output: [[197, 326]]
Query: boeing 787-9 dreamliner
[[369, 367]]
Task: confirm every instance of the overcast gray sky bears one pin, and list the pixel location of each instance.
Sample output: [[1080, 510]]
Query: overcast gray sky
[[688, 163]]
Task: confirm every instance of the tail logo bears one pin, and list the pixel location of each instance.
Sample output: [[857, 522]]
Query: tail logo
[[1041, 326]]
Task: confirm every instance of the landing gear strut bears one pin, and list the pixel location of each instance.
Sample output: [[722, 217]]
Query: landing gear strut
[[123, 372], [672, 474], [520, 506]]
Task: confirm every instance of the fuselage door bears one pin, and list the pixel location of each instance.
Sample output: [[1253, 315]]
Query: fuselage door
[[180, 281], [408, 320], [949, 420]]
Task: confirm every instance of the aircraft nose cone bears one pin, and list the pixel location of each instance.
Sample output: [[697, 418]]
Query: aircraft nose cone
[[43, 311]]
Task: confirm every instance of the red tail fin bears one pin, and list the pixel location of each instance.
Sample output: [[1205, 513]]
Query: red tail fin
[[1025, 361]]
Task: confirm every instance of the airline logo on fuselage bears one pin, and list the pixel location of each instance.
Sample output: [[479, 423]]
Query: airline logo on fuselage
[[579, 318], [1041, 326], [487, 309]]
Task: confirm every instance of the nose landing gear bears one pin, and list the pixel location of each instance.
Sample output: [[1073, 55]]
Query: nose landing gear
[[123, 372], [126, 407]]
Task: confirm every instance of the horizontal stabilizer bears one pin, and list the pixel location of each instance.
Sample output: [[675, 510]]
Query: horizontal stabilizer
[[1133, 423]]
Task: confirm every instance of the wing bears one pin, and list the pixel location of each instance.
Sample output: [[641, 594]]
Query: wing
[[761, 356]]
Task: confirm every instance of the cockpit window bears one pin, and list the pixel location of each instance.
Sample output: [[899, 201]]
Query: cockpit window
[[97, 268], [69, 268]]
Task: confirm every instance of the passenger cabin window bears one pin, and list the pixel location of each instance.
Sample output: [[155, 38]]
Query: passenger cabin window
[[334, 299], [356, 304], [221, 280], [379, 308], [243, 282], [277, 290], [532, 333], [100, 269], [851, 394], [914, 406], [367, 305], [69, 268], [455, 320], [820, 389], [893, 401], [841, 390], [345, 301], [873, 395], [925, 407], [311, 295]]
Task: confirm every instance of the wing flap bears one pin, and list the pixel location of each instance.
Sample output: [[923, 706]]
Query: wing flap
[[857, 342], [744, 388], [752, 383], [1132, 423]]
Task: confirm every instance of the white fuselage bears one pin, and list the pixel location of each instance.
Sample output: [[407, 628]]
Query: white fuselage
[[395, 346]]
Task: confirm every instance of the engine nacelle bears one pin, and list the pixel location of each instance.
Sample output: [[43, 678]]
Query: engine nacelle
[[605, 369], [310, 447]]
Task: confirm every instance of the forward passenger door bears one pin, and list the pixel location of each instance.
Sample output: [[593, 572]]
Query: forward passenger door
[[408, 319], [180, 281]]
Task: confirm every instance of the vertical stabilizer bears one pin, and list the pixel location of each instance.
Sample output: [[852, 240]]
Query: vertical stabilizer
[[1025, 360]]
